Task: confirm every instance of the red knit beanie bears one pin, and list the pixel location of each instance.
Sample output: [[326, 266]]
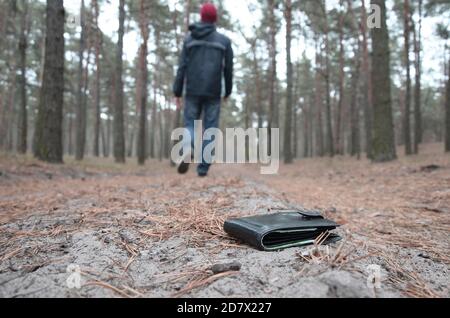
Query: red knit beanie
[[209, 13]]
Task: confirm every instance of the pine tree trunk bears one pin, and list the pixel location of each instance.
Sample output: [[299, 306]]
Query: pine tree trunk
[[407, 117], [22, 132], [142, 87], [109, 136], [306, 123], [447, 112], [119, 129], [296, 116], [330, 139], [418, 84], [97, 122], [11, 103], [383, 138], [69, 136], [318, 106], [354, 109], [80, 132], [288, 158], [355, 134], [154, 120], [257, 77], [3, 21], [273, 110], [7, 98], [339, 146], [131, 135], [85, 96], [161, 132], [48, 131], [311, 131], [295, 134], [167, 134], [3, 32], [187, 11], [105, 139], [368, 95]]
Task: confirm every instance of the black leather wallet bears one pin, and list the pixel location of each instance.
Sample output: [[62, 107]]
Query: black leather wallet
[[279, 231]]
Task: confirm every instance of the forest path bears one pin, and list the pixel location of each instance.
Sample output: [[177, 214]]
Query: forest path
[[141, 232]]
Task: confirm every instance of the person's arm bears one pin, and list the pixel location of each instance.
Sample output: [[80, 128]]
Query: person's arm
[[228, 70], [181, 74]]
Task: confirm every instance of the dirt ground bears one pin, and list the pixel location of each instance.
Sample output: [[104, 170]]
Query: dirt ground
[[147, 232]]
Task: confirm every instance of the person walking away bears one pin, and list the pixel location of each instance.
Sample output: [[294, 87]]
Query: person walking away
[[206, 62]]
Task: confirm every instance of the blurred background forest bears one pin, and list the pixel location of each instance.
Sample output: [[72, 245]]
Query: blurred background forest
[[312, 68]]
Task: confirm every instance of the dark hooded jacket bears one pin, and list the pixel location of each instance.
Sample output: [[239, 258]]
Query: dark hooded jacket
[[206, 59]]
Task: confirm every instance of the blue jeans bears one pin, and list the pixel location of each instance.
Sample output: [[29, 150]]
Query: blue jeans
[[193, 109]]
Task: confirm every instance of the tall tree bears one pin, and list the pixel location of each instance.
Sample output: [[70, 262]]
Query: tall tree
[[318, 101], [447, 112], [142, 85], [48, 132], [96, 98], [355, 139], [339, 144], [367, 83], [119, 125], [288, 157], [407, 112], [4, 8], [383, 138], [440, 8], [80, 124], [355, 144], [8, 90], [273, 110], [329, 125], [156, 84], [22, 126], [177, 121], [257, 74], [418, 84]]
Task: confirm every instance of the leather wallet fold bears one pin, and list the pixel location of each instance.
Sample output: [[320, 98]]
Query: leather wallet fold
[[279, 231]]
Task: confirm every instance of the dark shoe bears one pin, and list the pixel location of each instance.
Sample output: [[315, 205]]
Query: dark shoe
[[203, 174], [183, 168], [203, 169]]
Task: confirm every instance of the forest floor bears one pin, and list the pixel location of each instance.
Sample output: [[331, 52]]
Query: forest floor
[[148, 232]]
